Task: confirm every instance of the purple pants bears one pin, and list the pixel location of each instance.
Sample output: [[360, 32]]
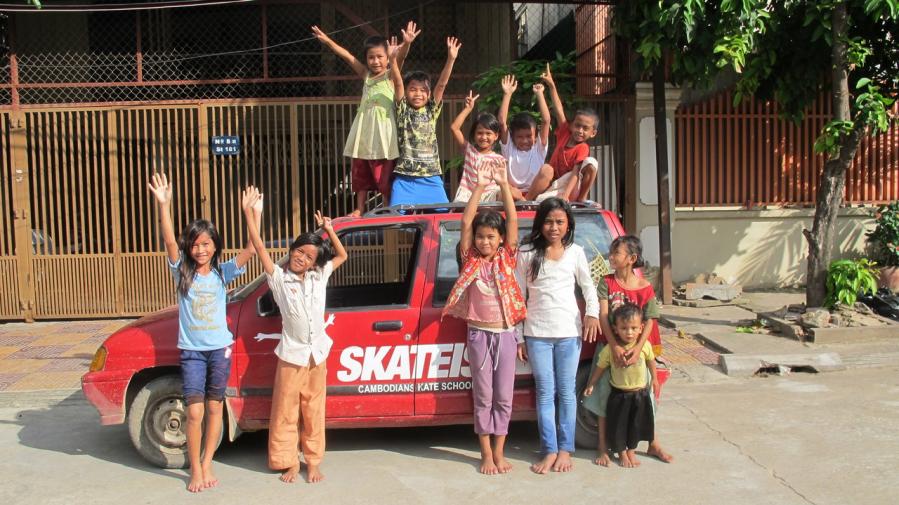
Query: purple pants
[[491, 356]]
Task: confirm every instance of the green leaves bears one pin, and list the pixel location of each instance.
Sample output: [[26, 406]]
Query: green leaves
[[846, 279], [829, 140], [884, 238], [528, 73]]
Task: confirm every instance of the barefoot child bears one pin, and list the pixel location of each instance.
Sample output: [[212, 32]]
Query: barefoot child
[[488, 297], [523, 148], [570, 173], [615, 290], [203, 335], [371, 142], [630, 412], [298, 399], [417, 177], [478, 149], [549, 266]]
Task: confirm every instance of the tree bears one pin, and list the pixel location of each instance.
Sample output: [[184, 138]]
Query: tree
[[788, 50]]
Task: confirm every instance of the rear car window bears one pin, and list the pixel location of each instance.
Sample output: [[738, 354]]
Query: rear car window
[[591, 233]]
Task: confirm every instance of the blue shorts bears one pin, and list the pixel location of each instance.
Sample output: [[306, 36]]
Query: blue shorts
[[407, 190], [205, 374]]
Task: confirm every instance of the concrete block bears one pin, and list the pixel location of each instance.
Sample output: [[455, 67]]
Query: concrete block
[[783, 327], [724, 292], [746, 365], [848, 335]]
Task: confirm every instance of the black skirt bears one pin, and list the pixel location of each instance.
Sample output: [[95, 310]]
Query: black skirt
[[629, 419]]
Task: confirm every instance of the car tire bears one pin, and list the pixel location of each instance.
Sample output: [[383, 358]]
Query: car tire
[[157, 421], [586, 431]]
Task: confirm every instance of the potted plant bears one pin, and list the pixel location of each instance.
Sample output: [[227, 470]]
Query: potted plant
[[884, 242]]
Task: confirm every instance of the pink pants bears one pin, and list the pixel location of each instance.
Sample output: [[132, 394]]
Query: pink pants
[[491, 356]]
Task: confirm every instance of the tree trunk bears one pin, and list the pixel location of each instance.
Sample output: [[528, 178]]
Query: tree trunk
[[833, 178], [661, 130]]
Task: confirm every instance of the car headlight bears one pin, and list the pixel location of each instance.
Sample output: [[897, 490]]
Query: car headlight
[[99, 360]]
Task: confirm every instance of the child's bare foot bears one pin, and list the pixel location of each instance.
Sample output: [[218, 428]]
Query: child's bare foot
[[196, 481], [209, 479], [602, 459], [563, 462], [544, 465], [629, 459], [488, 467], [290, 475], [501, 464], [313, 474], [657, 452]]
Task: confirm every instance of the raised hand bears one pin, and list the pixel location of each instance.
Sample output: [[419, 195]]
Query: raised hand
[[538, 87], [471, 99], [250, 197], [499, 172], [509, 84], [392, 47], [484, 173], [324, 222], [410, 32], [452, 47], [320, 35], [547, 77], [161, 189]]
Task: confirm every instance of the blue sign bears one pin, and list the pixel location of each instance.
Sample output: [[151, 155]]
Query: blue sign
[[226, 144]]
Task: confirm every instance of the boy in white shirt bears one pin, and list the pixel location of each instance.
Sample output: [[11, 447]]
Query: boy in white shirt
[[522, 146]]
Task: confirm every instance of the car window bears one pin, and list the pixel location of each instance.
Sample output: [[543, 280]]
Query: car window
[[379, 269], [591, 233]]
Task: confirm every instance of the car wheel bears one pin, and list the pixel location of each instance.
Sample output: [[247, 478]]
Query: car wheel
[[157, 423], [586, 431]]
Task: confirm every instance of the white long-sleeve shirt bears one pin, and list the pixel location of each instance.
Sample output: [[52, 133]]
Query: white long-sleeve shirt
[[552, 305]]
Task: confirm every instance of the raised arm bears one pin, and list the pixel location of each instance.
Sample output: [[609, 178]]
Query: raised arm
[[456, 127], [251, 203], [340, 254], [509, 85], [358, 67], [399, 91], [484, 174], [452, 52], [162, 191], [500, 175], [544, 114], [409, 34], [558, 109]]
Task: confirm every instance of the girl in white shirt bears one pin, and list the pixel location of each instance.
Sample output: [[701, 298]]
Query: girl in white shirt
[[549, 266], [301, 374]]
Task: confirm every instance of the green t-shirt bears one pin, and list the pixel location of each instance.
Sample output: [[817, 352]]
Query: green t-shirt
[[417, 138]]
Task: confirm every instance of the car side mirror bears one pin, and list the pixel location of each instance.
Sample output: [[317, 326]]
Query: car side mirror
[[266, 306]]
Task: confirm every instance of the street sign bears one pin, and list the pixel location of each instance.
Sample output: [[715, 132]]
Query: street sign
[[225, 145]]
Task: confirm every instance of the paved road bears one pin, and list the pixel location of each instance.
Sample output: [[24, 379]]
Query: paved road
[[823, 439]]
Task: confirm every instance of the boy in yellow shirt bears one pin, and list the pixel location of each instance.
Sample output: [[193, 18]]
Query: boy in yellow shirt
[[629, 412]]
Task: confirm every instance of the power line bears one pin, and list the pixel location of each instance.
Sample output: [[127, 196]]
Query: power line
[[145, 6]]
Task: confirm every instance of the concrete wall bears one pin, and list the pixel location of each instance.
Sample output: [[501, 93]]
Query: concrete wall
[[757, 248]]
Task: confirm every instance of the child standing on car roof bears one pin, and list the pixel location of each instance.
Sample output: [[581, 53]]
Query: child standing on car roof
[[371, 142], [203, 335], [522, 145], [488, 297], [478, 149], [298, 399], [418, 177], [614, 290], [550, 264]]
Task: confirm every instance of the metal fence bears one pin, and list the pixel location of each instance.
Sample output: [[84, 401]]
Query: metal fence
[[747, 156], [255, 50], [78, 230]]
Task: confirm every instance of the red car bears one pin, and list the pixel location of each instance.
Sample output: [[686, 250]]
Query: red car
[[393, 362]]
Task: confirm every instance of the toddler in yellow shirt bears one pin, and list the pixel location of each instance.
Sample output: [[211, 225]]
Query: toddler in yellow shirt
[[629, 412]]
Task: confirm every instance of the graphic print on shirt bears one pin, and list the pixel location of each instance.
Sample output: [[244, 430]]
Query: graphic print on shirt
[[617, 300], [202, 306]]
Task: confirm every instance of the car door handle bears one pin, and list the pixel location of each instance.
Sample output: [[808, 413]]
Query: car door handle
[[388, 325]]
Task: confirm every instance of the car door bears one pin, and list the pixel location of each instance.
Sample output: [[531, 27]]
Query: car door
[[372, 305]]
